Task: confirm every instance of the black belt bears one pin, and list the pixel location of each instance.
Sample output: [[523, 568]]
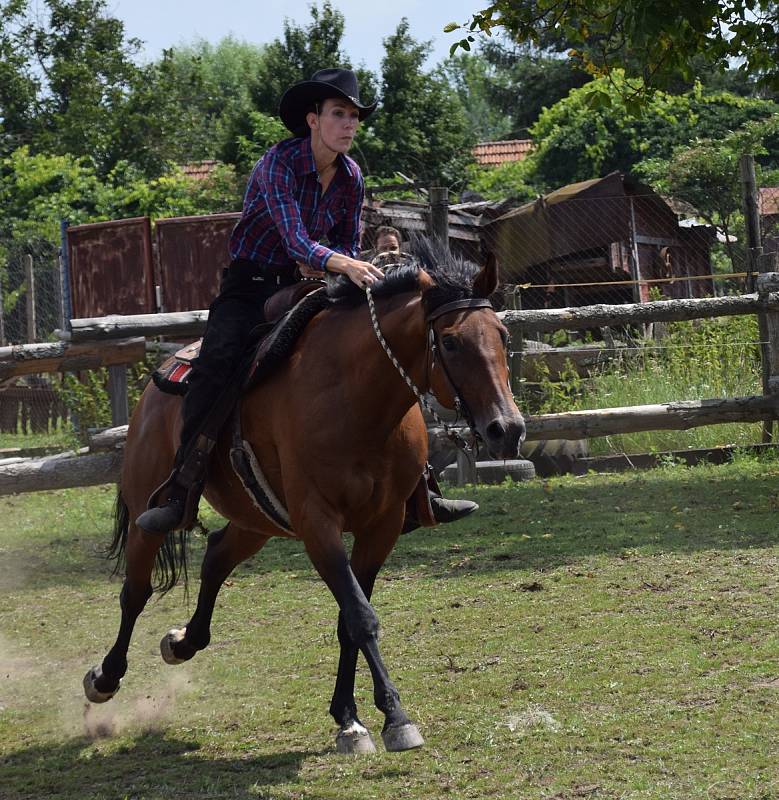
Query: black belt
[[264, 273]]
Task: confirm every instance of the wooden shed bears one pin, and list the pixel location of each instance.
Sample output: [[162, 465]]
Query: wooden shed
[[602, 240]]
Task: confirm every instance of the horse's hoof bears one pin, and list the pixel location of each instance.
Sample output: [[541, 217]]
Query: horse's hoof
[[406, 737], [171, 638], [354, 740], [94, 695]]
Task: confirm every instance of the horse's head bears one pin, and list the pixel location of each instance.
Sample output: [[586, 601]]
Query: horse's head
[[469, 363]]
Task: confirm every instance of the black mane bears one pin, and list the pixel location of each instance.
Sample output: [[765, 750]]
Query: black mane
[[453, 277]]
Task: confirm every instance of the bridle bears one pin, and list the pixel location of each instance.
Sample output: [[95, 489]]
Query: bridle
[[434, 350]]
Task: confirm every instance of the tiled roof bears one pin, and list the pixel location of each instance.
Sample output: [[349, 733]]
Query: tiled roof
[[492, 153], [768, 201], [198, 170]]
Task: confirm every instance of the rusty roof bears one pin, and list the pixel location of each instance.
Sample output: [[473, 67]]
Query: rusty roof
[[493, 153], [199, 170], [768, 201]]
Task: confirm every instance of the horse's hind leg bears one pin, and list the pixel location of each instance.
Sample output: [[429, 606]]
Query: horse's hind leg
[[102, 682], [226, 549]]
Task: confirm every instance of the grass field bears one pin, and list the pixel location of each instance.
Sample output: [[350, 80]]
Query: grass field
[[601, 637]]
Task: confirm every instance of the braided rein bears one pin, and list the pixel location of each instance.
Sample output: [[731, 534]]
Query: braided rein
[[451, 432]]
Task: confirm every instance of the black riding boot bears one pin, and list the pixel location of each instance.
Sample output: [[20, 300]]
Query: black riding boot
[[443, 510], [450, 510], [183, 489]]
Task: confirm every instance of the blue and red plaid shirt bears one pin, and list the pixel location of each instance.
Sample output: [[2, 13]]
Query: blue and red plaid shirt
[[285, 214]]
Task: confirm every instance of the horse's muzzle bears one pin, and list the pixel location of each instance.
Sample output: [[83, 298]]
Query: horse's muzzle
[[504, 435]]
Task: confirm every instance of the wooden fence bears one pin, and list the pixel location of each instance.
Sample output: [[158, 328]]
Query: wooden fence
[[109, 335]]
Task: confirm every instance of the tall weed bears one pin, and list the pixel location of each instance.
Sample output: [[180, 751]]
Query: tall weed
[[690, 361]]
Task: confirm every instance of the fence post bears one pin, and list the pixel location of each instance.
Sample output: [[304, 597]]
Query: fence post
[[439, 214], [2, 313], [746, 165], [514, 299], [439, 229], [29, 279], [58, 293], [67, 302], [117, 391]]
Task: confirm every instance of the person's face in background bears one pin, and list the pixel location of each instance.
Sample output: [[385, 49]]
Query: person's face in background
[[387, 243]]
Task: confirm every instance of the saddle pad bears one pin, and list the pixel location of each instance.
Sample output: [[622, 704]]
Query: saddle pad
[[173, 378], [274, 349]]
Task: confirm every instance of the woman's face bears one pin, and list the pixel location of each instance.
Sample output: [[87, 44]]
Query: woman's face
[[335, 125]]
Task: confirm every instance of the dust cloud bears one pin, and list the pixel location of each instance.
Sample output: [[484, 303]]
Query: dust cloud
[[143, 714]]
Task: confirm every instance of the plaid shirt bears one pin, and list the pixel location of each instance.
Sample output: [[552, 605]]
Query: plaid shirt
[[285, 213]]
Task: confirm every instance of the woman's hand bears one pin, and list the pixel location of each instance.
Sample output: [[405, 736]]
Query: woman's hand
[[360, 273]]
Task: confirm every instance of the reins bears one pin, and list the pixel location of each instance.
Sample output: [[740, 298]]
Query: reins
[[460, 406]]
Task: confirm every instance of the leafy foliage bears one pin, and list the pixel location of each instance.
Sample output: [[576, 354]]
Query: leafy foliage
[[578, 138], [655, 44]]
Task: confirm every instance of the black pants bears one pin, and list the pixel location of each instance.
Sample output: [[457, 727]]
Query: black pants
[[236, 311]]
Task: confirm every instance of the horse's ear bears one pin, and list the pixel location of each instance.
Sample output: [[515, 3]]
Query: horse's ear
[[424, 281], [487, 280]]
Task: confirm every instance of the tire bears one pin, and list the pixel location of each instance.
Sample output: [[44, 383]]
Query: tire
[[491, 472]]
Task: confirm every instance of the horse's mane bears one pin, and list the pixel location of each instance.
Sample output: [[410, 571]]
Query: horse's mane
[[453, 277]]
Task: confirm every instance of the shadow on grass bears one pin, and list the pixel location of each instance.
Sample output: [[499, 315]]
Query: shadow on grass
[[148, 765]]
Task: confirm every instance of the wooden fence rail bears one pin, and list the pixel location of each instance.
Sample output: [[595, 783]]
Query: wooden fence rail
[[101, 464], [193, 323], [599, 316], [32, 359]]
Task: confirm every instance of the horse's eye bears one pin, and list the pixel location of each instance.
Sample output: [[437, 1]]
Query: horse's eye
[[450, 343]]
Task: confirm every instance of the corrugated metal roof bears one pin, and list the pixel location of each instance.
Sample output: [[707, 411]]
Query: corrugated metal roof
[[768, 201], [493, 153]]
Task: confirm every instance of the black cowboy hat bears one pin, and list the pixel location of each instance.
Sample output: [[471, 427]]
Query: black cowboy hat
[[325, 83]]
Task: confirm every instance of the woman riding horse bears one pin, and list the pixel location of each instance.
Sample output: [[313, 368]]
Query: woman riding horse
[[302, 190]]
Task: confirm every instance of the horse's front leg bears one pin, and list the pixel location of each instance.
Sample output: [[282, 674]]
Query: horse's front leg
[[226, 548], [358, 628]]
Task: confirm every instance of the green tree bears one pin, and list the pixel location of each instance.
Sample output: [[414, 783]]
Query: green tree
[[209, 90], [706, 174], [577, 139], [266, 131], [88, 70], [525, 80], [473, 77], [654, 42], [299, 53], [18, 85], [421, 128]]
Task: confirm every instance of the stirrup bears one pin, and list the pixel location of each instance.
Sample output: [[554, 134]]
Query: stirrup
[[178, 512]]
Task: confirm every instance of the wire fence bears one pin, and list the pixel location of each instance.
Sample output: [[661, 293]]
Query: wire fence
[[583, 251], [31, 309], [569, 250]]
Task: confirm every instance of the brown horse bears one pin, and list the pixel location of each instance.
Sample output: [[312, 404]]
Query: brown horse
[[342, 442]]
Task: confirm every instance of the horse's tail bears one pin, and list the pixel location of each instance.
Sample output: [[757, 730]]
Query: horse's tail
[[171, 562]]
